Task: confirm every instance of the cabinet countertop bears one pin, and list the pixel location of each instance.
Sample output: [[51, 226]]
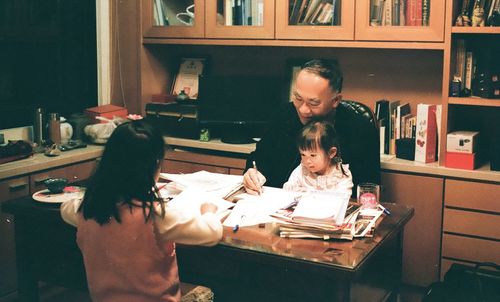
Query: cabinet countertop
[[387, 163], [39, 162]]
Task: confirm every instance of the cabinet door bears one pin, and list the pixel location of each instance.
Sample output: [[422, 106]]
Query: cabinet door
[[74, 173], [422, 235], [173, 18], [9, 189], [240, 19], [315, 19], [400, 20]]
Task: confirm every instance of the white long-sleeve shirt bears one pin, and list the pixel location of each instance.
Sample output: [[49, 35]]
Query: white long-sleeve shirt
[[303, 180], [177, 225]]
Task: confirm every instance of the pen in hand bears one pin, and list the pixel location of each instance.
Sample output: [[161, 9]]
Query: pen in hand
[[259, 184]]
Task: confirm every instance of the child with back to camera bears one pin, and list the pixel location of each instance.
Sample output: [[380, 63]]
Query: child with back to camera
[[126, 232], [321, 165]]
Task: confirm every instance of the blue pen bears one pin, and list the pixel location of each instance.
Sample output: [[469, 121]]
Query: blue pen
[[386, 211]]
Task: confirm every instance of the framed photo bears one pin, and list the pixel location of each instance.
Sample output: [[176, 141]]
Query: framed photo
[[187, 78]]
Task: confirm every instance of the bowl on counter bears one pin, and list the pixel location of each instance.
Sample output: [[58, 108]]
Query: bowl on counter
[[56, 185]]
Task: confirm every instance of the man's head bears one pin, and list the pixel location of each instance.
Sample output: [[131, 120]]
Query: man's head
[[317, 89]]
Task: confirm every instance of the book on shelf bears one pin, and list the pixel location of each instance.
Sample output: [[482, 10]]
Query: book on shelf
[[470, 65], [401, 110]]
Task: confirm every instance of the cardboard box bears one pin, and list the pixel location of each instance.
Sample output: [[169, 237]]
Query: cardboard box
[[107, 111], [426, 133], [462, 141], [461, 160]]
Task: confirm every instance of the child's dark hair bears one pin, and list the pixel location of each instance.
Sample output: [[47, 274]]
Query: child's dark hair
[[320, 134], [126, 172]]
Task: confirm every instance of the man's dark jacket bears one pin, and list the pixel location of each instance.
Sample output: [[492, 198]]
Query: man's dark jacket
[[276, 155]]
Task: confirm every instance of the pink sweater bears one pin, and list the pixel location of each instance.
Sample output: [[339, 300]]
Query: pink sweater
[[134, 260], [124, 262]]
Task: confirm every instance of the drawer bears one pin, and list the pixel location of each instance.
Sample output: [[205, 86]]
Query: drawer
[[447, 263], [471, 223], [472, 195], [206, 159], [74, 173], [14, 188], [470, 249], [172, 166]]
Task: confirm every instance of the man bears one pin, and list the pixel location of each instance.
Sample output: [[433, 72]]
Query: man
[[316, 94]]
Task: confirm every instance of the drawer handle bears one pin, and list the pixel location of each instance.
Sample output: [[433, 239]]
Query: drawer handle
[[40, 181], [17, 187]]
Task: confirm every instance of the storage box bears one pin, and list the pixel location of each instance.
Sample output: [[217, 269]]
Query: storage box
[[426, 133], [107, 111], [461, 160], [174, 119], [462, 141]]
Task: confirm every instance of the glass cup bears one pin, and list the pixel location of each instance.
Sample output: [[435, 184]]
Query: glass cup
[[368, 195]]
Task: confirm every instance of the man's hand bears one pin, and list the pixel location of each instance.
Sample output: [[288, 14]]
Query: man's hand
[[208, 207], [253, 181]]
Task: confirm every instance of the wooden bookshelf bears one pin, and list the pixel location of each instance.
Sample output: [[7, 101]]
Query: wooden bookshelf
[[475, 30], [413, 64], [474, 101]]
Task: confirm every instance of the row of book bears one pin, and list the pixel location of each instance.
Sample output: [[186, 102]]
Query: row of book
[[313, 12], [244, 12], [477, 71], [486, 12], [409, 136], [399, 12]]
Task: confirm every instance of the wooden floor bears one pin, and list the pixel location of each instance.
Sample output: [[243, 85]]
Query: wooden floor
[[50, 293]]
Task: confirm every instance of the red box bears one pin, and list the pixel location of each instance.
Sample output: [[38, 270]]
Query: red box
[[467, 161], [107, 111]]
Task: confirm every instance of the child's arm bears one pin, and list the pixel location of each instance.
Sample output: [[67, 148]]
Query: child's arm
[[186, 228], [294, 182], [69, 211], [345, 183]]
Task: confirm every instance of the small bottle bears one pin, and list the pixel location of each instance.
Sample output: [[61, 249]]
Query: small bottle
[[55, 128]]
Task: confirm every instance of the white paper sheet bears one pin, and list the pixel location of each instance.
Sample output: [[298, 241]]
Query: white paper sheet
[[190, 201], [252, 210]]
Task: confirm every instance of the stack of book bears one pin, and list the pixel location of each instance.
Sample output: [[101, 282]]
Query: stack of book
[[315, 217]]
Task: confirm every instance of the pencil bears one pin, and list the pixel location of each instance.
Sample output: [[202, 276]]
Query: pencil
[[255, 167]]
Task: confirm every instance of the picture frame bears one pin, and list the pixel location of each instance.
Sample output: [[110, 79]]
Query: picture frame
[[187, 78]]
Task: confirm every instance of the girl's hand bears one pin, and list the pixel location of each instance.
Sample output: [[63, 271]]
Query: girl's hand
[[208, 207]]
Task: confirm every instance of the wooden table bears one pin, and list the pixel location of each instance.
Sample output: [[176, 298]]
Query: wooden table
[[253, 264]]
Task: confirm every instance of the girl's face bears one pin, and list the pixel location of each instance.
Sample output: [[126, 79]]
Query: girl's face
[[317, 160]]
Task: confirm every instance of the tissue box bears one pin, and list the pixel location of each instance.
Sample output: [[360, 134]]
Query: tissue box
[[462, 142], [461, 160], [107, 111]]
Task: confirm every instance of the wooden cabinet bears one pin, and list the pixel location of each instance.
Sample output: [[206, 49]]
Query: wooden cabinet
[[9, 189], [470, 223], [283, 20], [421, 241], [74, 173], [21, 186], [372, 25], [191, 161]]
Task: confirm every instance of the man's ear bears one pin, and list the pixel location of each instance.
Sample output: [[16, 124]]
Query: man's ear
[[336, 100], [332, 152]]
